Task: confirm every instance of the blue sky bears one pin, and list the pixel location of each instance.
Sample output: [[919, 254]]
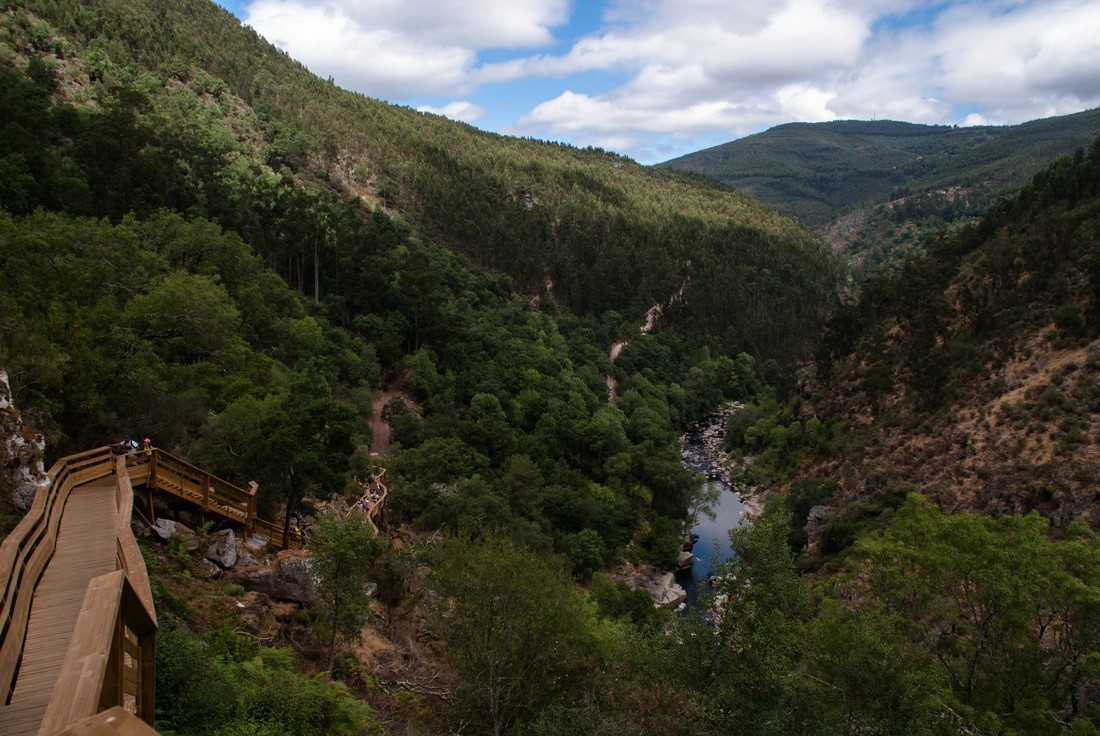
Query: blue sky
[[654, 79]]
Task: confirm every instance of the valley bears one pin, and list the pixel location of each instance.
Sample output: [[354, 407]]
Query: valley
[[884, 336]]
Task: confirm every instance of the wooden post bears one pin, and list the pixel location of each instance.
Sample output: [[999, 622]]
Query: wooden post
[[152, 482], [111, 694], [253, 486], [147, 690]]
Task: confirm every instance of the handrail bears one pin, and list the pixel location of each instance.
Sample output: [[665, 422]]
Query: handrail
[[114, 604], [179, 477], [26, 551], [129, 556], [111, 722], [111, 606], [172, 474]]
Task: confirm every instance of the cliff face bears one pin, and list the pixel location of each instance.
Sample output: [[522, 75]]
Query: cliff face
[[21, 451]]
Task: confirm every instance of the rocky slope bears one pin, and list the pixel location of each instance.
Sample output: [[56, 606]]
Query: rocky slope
[[21, 452]]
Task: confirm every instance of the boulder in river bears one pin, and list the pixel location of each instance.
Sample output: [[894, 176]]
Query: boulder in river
[[661, 586]]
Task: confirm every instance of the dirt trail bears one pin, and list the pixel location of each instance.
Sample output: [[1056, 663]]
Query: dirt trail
[[651, 316], [380, 430]]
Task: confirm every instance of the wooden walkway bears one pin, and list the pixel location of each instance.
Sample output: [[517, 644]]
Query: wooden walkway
[[86, 548], [77, 621]]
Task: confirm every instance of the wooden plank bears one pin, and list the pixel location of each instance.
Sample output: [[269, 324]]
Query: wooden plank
[[80, 683], [113, 722], [80, 555], [28, 557]]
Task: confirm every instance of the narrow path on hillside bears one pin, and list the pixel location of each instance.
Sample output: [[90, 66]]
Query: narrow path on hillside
[[651, 316], [380, 434]]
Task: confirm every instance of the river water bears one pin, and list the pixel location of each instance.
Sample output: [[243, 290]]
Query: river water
[[713, 542]]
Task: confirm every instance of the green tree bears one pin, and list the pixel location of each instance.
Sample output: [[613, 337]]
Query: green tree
[[1011, 616], [343, 551], [293, 442], [516, 629]]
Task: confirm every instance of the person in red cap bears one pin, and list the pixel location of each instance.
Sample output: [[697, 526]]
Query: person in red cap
[[148, 445]]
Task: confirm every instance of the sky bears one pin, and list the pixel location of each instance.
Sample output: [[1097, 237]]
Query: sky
[[655, 79]]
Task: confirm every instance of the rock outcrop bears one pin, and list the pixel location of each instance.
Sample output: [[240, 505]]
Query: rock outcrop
[[165, 529], [222, 548], [291, 580], [661, 586], [21, 451]]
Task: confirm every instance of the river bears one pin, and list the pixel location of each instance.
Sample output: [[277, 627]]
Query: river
[[713, 542]]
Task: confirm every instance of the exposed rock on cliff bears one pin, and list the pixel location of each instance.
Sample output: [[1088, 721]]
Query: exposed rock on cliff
[[21, 452]]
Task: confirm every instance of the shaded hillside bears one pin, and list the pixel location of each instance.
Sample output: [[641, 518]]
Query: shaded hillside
[[814, 171], [606, 233], [971, 374], [877, 189]]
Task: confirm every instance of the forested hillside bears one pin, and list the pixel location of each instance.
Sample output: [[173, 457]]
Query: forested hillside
[[878, 189], [180, 264], [970, 375], [605, 233]]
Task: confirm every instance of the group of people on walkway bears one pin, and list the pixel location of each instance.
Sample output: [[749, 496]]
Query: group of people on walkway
[[131, 446], [371, 496]]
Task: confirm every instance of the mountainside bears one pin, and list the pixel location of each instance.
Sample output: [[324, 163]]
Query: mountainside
[[970, 374], [600, 231], [815, 170], [877, 189]]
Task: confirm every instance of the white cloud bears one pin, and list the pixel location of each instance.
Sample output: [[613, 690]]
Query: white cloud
[[462, 110], [398, 48], [673, 69], [732, 67]]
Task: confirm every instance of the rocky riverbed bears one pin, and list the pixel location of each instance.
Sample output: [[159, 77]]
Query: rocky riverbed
[[701, 451]]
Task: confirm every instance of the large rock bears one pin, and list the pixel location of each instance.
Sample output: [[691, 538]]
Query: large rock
[[256, 542], [815, 525], [252, 608], [247, 560], [223, 548], [668, 592], [661, 586], [210, 570], [165, 529], [684, 561], [293, 581], [298, 573]]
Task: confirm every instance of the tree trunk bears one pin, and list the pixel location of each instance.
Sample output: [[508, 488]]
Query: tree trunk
[[317, 271], [291, 502]]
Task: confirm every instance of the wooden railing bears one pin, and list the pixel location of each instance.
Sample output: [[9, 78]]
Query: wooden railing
[[165, 472], [174, 475], [373, 498], [111, 657], [26, 551]]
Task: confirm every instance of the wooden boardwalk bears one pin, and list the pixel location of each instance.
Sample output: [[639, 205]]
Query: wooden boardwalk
[[86, 548]]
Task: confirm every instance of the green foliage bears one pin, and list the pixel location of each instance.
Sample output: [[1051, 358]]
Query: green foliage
[[195, 691], [201, 690], [779, 666], [202, 115], [343, 551], [615, 599], [985, 597], [496, 601]]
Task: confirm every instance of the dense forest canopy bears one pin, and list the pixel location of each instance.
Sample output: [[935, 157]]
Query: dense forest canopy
[[604, 232], [176, 263]]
